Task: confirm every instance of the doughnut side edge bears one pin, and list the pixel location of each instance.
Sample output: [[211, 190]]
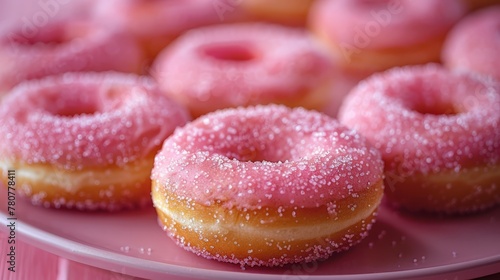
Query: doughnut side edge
[[91, 188], [266, 237]]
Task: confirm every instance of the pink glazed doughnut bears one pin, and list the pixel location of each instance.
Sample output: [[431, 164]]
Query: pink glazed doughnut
[[60, 47], [474, 43], [156, 23], [266, 186], [235, 65], [438, 134], [374, 35], [85, 141]]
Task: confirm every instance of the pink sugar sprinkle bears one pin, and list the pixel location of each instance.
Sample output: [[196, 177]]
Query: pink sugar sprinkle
[[316, 251], [92, 119], [243, 64], [242, 157], [426, 119], [65, 46]]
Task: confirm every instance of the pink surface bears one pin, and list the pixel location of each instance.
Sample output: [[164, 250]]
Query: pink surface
[[34, 263], [399, 246]]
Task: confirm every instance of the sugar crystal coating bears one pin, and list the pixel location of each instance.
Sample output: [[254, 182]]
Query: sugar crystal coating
[[242, 64], [266, 155], [77, 120], [266, 185], [316, 252], [62, 46], [425, 119], [438, 134]]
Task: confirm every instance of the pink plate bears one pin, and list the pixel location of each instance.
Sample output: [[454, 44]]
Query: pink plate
[[399, 246]]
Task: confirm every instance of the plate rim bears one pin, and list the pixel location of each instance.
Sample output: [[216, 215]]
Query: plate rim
[[133, 266]]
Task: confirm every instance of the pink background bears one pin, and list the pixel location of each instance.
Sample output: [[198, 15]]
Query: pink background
[[34, 263]]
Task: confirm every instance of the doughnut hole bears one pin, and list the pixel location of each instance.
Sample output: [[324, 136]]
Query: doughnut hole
[[244, 149], [229, 51], [437, 109], [70, 105], [82, 101], [49, 37], [259, 152], [73, 111], [53, 35], [437, 131], [254, 139], [438, 99], [438, 102], [370, 4]]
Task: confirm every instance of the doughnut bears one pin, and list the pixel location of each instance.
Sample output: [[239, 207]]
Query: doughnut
[[479, 4], [156, 23], [85, 140], [473, 43], [371, 36], [438, 134], [224, 66], [266, 185], [64, 46], [289, 12]]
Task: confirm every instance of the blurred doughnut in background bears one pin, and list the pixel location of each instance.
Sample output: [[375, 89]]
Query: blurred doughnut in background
[[478, 4], [362, 36], [233, 65], [369, 36], [51, 37], [474, 43], [156, 23], [289, 12]]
